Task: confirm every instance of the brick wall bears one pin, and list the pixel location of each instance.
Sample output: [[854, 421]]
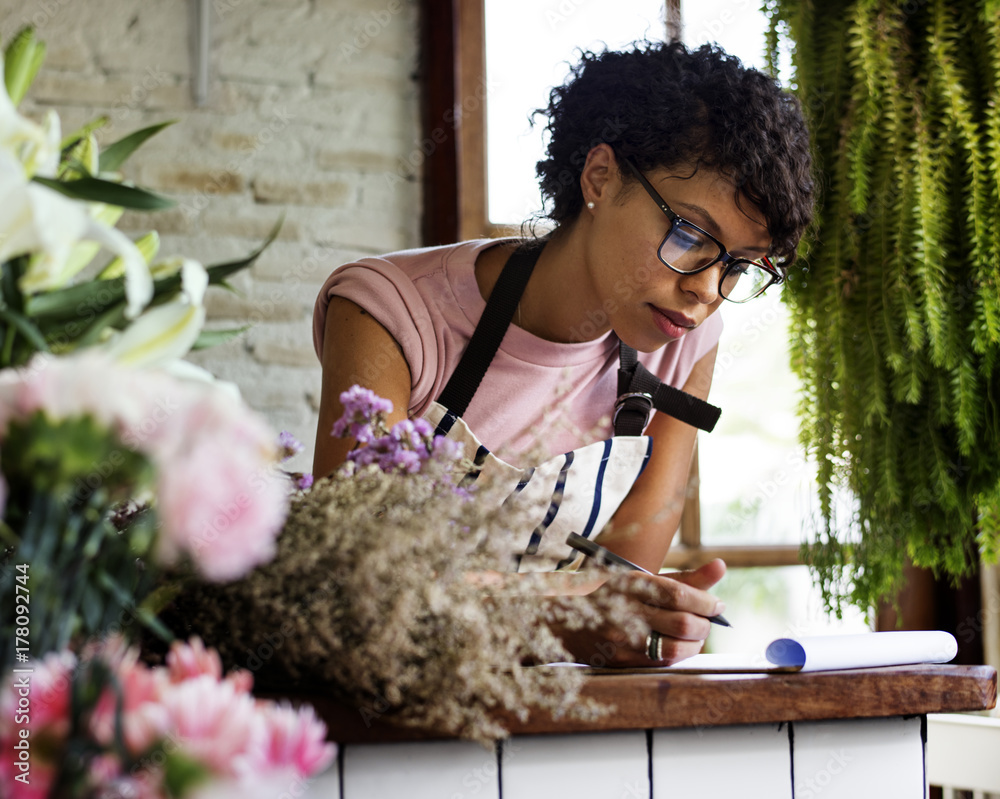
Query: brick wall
[[312, 108]]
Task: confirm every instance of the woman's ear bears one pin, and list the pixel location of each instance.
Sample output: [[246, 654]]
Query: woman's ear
[[599, 179]]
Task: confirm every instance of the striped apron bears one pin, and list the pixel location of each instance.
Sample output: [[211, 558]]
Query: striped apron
[[577, 491]]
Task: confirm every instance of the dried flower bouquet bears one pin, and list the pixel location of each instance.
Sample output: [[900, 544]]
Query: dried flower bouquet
[[388, 589]]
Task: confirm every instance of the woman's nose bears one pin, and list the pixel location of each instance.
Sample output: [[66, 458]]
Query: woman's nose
[[704, 285]]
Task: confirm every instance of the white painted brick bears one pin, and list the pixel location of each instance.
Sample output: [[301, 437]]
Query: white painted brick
[[234, 216], [287, 116], [137, 34], [286, 344], [277, 187], [308, 263], [344, 158], [149, 89], [190, 177], [166, 222], [70, 50], [269, 63], [337, 112], [256, 308]]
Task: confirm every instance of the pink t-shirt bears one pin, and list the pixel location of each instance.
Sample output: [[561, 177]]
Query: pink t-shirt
[[535, 390]]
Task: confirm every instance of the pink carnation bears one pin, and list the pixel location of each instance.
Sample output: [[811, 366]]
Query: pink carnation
[[188, 660], [213, 722], [220, 497], [295, 738], [221, 507], [49, 687], [141, 689]]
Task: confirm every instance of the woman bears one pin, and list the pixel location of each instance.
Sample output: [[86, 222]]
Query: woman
[[677, 180]]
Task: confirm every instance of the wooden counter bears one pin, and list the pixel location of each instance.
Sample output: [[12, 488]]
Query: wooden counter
[[663, 700], [856, 734]]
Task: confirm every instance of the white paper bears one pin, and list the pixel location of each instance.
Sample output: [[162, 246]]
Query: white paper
[[828, 652], [815, 653], [867, 650]]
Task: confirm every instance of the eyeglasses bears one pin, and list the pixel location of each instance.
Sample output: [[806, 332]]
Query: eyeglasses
[[688, 249]]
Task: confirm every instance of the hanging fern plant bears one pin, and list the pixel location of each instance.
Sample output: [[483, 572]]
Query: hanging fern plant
[[896, 301]]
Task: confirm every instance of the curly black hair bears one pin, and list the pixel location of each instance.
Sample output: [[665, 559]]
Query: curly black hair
[[662, 105]]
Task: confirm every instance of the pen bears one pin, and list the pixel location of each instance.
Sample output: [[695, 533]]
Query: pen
[[605, 557]]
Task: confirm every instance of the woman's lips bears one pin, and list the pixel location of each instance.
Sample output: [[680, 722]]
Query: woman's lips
[[671, 323]]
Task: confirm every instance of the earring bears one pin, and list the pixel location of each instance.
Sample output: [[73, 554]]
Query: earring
[[590, 205]]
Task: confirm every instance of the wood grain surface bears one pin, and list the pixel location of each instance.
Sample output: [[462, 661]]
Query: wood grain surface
[[663, 700]]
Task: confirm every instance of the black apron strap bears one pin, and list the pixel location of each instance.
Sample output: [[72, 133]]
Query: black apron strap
[[490, 330], [639, 391]]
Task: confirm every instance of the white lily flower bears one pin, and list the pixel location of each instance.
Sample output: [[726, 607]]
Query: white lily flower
[[36, 147], [167, 332], [185, 370], [37, 220]]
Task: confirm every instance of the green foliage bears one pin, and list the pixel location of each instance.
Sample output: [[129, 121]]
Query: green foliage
[[896, 297]]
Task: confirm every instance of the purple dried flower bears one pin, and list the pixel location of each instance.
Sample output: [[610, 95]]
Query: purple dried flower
[[289, 445], [304, 481], [446, 448], [364, 402], [423, 428], [361, 408]]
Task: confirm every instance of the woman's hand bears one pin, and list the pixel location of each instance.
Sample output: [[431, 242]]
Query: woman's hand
[[676, 605]]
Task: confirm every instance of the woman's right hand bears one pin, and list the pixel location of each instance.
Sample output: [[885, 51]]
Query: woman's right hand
[[676, 605]]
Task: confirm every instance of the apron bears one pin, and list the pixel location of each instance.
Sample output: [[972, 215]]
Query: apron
[[577, 491]]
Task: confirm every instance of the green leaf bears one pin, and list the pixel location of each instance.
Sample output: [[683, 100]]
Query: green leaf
[[217, 273], [148, 245], [69, 142], [116, 154], [212, 338], [22, 59], [182, 774], [106, 191], [114, 317], [10, 276], [67, 303], [26, 327]]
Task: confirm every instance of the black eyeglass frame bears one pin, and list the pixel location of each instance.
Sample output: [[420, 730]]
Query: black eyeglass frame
[[728, 260]]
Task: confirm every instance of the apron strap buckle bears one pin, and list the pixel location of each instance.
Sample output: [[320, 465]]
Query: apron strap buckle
[[637, 405]]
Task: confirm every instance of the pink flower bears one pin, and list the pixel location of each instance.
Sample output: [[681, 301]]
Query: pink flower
[[220, 497], [188, 660], [84, 384], [212, 722], [192, 659], [143, 721], [220, 507], [295, 738], [48, 711]]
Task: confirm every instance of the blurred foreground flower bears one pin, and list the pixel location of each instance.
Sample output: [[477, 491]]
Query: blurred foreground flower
[[79, 435], [388, 581], [183, 730], [60, 199]]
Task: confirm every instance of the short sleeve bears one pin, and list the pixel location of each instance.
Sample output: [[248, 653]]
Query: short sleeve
[[386, 292]]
